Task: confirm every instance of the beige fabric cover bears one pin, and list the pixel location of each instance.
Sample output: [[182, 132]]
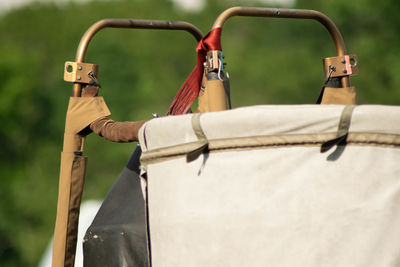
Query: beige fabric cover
[[81, 112], [266, 196]]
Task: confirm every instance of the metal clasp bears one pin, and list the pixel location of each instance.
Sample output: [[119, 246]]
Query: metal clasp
[[214, 61]]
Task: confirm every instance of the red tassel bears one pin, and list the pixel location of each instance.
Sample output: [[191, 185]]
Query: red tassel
[[191, 87]]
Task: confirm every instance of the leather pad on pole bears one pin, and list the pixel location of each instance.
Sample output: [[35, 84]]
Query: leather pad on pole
[[340, 96], [82, 111]]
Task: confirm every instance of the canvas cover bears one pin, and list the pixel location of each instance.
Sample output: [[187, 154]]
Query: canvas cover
[[250, 187]]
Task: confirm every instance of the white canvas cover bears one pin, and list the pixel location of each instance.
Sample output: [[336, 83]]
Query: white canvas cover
[[260, 192]]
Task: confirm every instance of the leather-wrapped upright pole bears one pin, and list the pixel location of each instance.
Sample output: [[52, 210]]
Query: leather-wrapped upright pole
[[87, 111]]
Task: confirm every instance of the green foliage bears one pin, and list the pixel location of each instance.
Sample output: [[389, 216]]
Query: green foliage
[[270, 62]]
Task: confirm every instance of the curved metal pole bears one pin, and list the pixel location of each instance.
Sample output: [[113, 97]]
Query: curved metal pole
[[128, 23], [288, 13]]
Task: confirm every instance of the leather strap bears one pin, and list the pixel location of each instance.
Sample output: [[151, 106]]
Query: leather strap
[[202, 143], [343, 129]]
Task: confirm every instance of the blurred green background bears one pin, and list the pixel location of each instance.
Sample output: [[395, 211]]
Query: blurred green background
[[270, 62]]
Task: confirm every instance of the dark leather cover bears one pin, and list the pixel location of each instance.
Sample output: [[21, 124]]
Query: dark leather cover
[[117, 235]]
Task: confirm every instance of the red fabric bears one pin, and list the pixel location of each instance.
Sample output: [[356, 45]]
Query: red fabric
[[191, 87]]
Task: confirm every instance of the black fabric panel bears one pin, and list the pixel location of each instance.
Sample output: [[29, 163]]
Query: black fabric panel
[[134, 161], [117, 235]]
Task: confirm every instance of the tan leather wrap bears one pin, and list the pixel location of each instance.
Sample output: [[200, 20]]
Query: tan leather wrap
[[82, 111], [216, 95], [213, 97], [72, 175], [340, 96], [203, 102]]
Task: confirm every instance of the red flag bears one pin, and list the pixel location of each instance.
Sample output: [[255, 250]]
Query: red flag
[[191, 87]]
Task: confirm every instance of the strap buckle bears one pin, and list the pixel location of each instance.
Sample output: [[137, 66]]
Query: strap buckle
[[214, 61]]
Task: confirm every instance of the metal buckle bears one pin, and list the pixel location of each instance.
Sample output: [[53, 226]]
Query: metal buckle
[[214, 61]]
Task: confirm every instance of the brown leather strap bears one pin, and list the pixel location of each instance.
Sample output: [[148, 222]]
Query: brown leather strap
[[117, 131]]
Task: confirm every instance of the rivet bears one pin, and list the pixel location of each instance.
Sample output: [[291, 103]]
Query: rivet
[[78, 77], [80, 68], [344, 71], [343, 60]]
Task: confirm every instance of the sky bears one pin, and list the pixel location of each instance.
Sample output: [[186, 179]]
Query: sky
[[191, 5]]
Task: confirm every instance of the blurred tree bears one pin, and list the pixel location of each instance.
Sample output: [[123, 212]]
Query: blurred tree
[[370, 30]]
